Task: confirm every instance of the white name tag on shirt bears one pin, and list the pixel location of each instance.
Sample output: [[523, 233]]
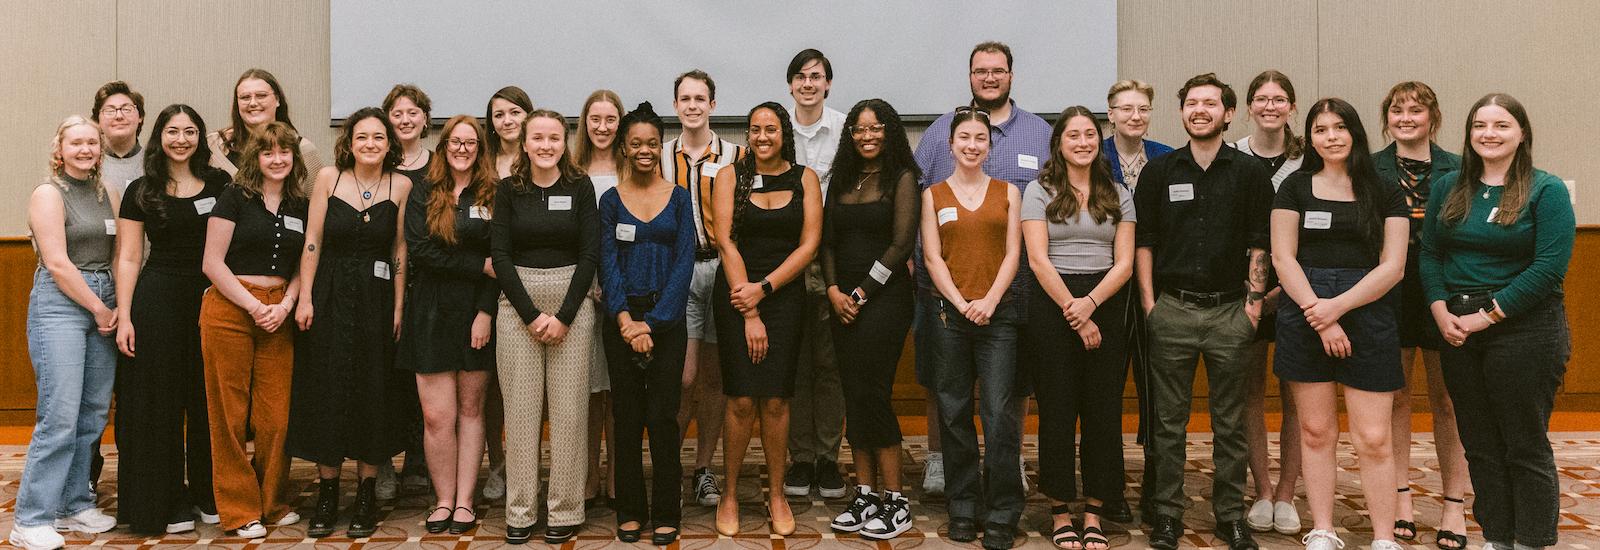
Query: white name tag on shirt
[[947, 215], [478, 212], [380, 269], [111, 227], [625, 232], [710, 169], [1028, 161], [758, 183], [294, 224], [880, 273], [561, 202], [1318, 220], [1179, 192], [1492, 213], [203, 206]]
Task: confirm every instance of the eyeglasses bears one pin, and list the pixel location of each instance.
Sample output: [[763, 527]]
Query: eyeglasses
[[870, 128], [986, 73], [259, 97], [462, 144], [1128, 110], [125, 110], [1262, 100], [981, 113], [813, 77]]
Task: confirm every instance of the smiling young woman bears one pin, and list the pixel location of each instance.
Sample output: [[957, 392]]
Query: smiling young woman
[[257, 100]]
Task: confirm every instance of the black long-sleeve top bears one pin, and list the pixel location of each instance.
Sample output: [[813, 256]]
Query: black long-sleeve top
[[545, 227], [868, 232], [459, 264]]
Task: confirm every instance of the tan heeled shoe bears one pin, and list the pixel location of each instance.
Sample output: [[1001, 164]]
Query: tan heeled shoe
[[727, 528], [782, 528]]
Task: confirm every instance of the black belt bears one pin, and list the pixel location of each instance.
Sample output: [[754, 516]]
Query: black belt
[[1467, 303], [704, 254], [1203, 299]]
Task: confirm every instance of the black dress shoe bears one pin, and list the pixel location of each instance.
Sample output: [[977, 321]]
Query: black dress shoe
[[628, 535], [364, 515], [1164, 532], [1237, 534], [436, 526], [518, 535], [457, 526], [327, 511], [963, 529], [1118, 512], [998, 536], [559, 535], [659, 538]]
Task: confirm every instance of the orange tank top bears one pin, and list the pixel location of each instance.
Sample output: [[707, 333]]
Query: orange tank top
[[972, 242]]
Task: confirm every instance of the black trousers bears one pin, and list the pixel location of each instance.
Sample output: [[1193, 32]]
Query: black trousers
[[871, 348], [1074, 385], [644, 397], [163, 436], [1503, 382]]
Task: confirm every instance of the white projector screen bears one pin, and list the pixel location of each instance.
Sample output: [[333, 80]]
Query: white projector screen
[[911, 53]]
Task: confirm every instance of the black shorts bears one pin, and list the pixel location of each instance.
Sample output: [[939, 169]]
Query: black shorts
[[1417, 329], [1374, 362]]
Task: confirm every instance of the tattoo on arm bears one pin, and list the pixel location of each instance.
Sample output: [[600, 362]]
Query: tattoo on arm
[[1257, 285], [311, 248]]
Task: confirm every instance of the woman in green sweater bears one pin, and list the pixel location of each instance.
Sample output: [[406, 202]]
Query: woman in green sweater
[[1496, 241]]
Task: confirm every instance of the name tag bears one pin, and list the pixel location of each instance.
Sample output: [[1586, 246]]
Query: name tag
[[203, 206], [561, 202], [758, 183], [1492, 213], [380, 269], [625, 232], [947, 215], [1180, 192], [111, 227], [879, 273], [478, 212], [294, 224], [1028, 161], [710, 169], [1318, 220]]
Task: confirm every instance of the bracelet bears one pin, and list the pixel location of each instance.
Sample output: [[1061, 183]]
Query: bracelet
[[1092, 300], [1486, 317], [1494, 313]]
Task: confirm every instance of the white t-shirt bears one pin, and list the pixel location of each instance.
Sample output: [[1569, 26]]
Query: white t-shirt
[[815, 145]]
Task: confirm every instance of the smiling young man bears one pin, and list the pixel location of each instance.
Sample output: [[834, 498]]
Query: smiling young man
[[816, 412], [1202, 266], [692, 160], [120, 113]]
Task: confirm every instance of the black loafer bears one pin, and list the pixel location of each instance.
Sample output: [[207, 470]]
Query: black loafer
[[628, 535], [460, 527], [439, 525], [998, 536], [1164, 532], [1237, 535], [963, 529], [559, 535], [518, 535], [664, 539]]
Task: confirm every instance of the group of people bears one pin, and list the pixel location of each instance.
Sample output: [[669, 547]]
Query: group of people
[[438, 302]]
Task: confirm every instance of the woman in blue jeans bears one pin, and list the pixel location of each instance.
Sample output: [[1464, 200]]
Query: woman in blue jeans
[[71, 320]]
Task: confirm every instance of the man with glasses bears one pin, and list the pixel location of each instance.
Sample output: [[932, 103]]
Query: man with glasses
[[816, 412], [1202, 265], [1019, 144], [120, 113]]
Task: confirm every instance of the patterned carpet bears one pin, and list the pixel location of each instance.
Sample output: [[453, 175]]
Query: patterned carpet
[[1577, 454]]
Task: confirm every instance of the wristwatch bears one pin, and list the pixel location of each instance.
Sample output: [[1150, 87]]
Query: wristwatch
[[766, 287]]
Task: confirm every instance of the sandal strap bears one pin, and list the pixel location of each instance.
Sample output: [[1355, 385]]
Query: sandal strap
[[1459, 539], [1064, 534], [1094, 534], [1094, 509], [1063, 508], [1455, 500], [469, 511]]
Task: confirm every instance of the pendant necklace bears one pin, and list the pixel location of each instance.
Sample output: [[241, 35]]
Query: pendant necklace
[[864, 177], [366, 197]]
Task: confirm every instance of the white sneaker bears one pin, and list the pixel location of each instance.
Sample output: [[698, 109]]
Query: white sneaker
[[91, 521], [183, 526], [288, 519], [1260, 517], [1386, 544], [862, 508], [1322, 539], [893, 519], [38, 537], [1285, 518], [933, 475], [494, 488], [208, 519], [387, 484], [252, 530]]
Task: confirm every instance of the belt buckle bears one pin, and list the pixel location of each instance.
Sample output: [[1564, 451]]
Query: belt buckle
[[1201, 299]]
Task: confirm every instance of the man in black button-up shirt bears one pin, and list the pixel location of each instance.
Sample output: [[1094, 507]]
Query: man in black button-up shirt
[[1202, 268]]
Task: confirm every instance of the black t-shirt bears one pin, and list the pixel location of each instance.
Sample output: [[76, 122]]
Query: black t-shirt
[[1330, 235], [264, 242], [177, 232]]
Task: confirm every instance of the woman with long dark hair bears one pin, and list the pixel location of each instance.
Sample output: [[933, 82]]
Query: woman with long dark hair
[[163, 441], [1338, 245], [503, 121], [1496, 242], [768, 221]]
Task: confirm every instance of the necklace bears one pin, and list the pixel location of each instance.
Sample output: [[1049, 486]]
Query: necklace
[[366, 196], [406, 161], [967, 196], [1132, 165], [864, 177]]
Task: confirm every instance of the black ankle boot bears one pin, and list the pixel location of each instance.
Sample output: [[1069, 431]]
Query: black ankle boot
[[327, 509], [364, 515]]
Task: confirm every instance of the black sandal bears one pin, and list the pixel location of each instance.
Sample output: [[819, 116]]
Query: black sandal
[[1066, 534], [438, 526], [460, 527], [1405, 530], [1459, 539], [1093, 535]]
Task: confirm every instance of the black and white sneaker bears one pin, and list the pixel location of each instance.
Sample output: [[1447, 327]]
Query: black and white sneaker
[[705, 488], [861, 509], [894, 518]]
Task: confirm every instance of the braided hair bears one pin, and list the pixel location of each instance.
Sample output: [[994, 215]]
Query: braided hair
[[744, 169]]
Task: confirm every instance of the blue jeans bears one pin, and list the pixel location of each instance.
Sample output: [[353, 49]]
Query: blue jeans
[[74, 368], [965, 355]]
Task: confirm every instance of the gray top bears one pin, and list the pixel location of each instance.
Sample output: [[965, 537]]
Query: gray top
[[1081, 246], [117, 172], [90, 225]]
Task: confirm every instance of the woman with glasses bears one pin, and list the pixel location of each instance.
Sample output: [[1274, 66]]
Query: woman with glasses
[[258, 100]]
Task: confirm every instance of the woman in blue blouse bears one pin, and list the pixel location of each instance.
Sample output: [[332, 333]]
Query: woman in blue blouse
[[646, 259]]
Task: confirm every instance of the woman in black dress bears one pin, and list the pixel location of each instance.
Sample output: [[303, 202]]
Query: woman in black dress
[[768, 222], [449, 322], [345, 397]]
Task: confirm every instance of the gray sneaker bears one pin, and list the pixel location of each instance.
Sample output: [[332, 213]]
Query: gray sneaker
[[705, 488], [933, 475]]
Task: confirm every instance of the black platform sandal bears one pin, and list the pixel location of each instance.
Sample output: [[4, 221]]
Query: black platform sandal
[[1066, 534], [1459, 539], [1405, 530], [1093, 535]]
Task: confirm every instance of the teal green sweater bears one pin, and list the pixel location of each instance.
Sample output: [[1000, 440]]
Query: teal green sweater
[[1522, 263]]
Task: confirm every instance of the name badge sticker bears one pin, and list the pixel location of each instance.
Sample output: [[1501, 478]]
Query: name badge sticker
[[380, 269], [561, 202], [947, 215], [880, 273], [478, 212], [1179, 192], [1318, 220], [710, 169], [625, 232], [1492, 213], [294, 224], [1028, 161], [758, 183], [204, 206], [111, 227]]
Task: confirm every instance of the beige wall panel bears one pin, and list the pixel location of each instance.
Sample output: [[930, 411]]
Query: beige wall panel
[[190, 51], [55, 55], [1165, 43], [1462, 53]]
